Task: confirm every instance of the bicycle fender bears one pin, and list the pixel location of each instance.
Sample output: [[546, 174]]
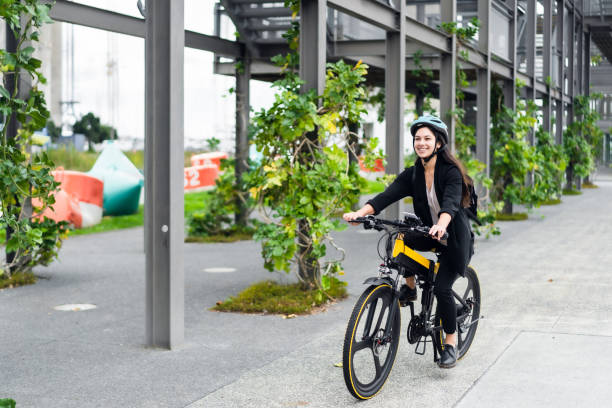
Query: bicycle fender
[[375, 280]]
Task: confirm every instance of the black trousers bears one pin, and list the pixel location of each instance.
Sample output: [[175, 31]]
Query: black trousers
[[447, 275]]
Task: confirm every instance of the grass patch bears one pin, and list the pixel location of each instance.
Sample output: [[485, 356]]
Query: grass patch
[[572, 192], [111, 223], [196, 201], [511, 217], [589, 185], [373, 187], [231, 237], [18, 279], [7, 403], [71, 159], [273, 298], [552, 201], [193, 202]]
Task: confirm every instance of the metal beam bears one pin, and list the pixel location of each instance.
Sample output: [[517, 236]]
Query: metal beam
[[75, 13], [79, 14], [428, 36], [164, 212], [255, 68], [395, 84], [219, 46], [263, 12], [372, 12], [448, 81], [366, 48]]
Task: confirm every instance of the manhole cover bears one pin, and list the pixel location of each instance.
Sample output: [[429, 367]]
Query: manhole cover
[[76, 307], [219, 270]]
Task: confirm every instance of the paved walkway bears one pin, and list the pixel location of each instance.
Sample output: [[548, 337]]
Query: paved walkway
[[544, 341]]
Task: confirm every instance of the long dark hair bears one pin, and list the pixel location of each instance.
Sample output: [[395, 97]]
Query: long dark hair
[[450, 158]]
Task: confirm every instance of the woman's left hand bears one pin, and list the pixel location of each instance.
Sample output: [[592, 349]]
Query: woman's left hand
[[437, 231]]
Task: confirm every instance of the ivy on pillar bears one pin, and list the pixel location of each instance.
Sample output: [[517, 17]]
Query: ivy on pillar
[[483, 97], [243, 75], [313, 52]]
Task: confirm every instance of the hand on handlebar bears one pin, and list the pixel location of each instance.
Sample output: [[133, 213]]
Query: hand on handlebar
[[438, 232], [351, 216]]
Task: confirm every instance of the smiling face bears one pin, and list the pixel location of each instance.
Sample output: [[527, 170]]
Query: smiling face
[[424, 142]]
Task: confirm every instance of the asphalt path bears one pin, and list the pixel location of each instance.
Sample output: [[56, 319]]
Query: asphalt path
[[544, 340]]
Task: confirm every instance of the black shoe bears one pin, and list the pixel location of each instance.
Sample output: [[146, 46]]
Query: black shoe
[[406, 295], [448, 359]]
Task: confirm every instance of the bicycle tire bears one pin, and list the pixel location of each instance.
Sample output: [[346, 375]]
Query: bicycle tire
[[367, 309], [465, 335]]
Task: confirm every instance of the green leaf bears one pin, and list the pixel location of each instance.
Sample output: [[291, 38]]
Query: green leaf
[[4, 92]]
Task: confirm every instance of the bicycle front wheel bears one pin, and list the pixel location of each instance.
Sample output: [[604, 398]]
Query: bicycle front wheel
[[369, 349]]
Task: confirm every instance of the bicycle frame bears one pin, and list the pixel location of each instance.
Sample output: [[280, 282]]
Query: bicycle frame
[[426, 282]]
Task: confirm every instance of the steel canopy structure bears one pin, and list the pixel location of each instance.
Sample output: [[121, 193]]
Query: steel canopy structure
[[543, 43]]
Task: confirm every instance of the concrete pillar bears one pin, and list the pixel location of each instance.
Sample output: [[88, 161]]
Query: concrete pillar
[[164, 203], [56, 79], [421, 13], [448, 64], [547, 69], [561, 58], [570, 69], [243, 76], [483, 97], [587, 63], [531, 55], [395, 85], [313, 44]]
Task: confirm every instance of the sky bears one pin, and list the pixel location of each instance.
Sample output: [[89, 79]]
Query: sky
[[109, 78]]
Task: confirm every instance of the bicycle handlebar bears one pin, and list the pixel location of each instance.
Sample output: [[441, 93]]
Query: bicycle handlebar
[[371, 222]]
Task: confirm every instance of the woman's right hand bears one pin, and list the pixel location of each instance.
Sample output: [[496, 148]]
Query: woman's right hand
[[350, 216]]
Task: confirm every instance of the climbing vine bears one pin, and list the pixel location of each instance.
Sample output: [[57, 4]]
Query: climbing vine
[[582, 139], [26, 185], [305, 176]]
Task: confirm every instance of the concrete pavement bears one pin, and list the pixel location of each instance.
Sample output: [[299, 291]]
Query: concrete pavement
[[548, 323]]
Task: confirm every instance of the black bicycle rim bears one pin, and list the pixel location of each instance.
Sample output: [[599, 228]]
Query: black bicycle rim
[[366, 364]]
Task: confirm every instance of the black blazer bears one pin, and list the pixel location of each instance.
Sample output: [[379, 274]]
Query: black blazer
[[448, 184]]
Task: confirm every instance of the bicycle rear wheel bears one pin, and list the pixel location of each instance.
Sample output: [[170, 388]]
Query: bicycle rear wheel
[[466, 288], [369, 352]]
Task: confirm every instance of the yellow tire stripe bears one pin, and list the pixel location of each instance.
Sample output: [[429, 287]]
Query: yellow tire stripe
[[351, 347]]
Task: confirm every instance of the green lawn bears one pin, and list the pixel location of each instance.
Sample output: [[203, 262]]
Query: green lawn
[[373, 187], [193, 202]]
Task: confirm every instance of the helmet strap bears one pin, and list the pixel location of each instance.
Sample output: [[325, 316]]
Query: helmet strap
[[436, 151]]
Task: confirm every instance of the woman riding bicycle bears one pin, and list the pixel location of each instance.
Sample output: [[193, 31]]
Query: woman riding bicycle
[[440, 189]]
